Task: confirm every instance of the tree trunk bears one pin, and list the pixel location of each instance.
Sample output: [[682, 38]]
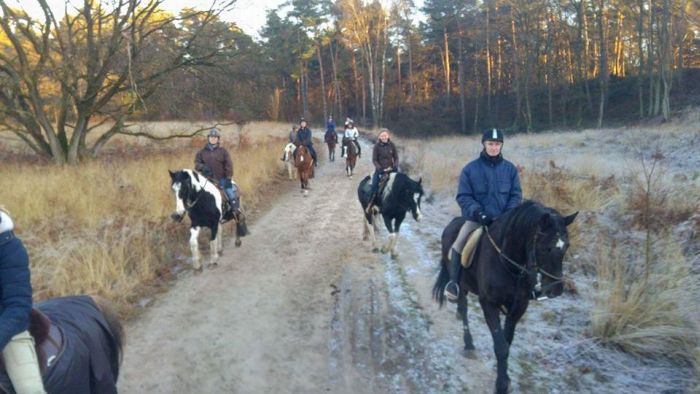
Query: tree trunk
[[323, 81], [603, 69]]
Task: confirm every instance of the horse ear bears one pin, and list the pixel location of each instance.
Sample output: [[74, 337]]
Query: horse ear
[[172, 174], [570, 219], [545, 220], [420, 180]]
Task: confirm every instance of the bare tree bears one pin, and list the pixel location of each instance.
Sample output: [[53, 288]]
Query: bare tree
[[61, 79]]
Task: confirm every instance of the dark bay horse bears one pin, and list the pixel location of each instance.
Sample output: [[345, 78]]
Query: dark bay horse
[[401, 194], [305, 166], [202, 200], [79, 342], [331, 138], [350, 156], [518, 258]]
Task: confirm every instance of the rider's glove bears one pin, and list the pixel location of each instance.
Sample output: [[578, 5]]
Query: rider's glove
[[483, 218]]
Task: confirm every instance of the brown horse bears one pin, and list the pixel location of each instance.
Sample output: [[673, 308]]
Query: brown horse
[[331, 140], [305, 166], [350, 157]]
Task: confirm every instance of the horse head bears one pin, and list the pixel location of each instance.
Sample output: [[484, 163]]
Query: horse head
[[289, 151], [414, 194], [550, 244], [185, 185]]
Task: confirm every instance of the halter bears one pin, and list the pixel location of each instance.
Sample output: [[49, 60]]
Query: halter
[[537, 272]]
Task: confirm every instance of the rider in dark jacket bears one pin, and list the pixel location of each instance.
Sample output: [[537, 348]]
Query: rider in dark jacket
[[385, 158], [304, 138], [214, 162], [19, 355], [488, 187]]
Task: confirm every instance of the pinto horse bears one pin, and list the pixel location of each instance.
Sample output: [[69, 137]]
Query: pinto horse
[[400, 194], [350, 156], [201, 199], [305, 166], [79, 343], [519, 258]]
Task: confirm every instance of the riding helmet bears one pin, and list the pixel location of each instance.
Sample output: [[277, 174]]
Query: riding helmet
[[213, 132], [492, 135]]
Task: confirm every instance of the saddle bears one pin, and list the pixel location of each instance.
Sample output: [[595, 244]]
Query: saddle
[[470, 247], [48, 340]]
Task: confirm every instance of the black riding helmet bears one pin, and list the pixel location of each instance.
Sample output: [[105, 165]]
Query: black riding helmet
[[492, 135]]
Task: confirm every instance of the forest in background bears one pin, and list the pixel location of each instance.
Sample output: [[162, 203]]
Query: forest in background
[[445, 67]]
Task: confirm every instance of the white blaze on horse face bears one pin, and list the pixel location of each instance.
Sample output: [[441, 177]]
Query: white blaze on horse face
[[560, 244], [179, 205]]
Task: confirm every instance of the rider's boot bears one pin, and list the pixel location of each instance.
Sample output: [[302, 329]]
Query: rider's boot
[[453, 268]]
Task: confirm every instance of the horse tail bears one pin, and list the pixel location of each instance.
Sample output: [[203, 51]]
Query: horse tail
[[441, 282], [115, 326]]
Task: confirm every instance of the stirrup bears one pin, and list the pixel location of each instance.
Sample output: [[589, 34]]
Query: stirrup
[[450, 296]]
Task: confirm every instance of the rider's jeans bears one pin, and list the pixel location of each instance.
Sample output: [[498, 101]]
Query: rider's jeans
[[22, 364]]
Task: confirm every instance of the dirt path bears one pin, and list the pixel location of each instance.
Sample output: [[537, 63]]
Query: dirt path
[[304, 306]]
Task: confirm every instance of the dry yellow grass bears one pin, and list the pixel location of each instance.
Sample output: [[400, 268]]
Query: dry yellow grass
[[103, 228], [652, 316]]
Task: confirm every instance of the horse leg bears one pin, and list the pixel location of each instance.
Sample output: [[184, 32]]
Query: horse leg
[[194, 248], [500, 345], [397, 225], [463, 313], [370, 229], [214, 245]]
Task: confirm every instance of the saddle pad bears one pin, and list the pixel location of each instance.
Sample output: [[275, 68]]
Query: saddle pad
[[470, 247]]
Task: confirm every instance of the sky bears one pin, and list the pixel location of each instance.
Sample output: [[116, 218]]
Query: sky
[[249, 15]]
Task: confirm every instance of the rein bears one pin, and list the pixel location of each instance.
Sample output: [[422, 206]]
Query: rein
[[523, 269], [199, 194]]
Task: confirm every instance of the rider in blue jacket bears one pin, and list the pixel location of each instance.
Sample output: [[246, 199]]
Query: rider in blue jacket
[[488, 187], [19, 355], [304, 138]]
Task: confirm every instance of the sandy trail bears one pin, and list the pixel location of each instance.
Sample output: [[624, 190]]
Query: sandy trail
[[304, 306]]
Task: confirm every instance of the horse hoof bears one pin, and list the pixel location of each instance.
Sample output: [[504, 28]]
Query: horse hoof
[[198, 271], [365, 238], [238, 243], [394, 256], [469, 353], [213, 265], [375, 250]]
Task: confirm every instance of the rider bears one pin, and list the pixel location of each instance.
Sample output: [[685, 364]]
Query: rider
[[18, 353], [214, 162], [385, 159], [330, 124], [488, 187], [304, 138], [351, 134]]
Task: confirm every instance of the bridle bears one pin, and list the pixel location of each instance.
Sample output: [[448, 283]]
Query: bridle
[[537, 272], [199, 193]]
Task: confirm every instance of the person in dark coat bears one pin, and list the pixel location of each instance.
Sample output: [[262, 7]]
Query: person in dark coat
[[385, 158], [488, 187], [304, 138], [214, 162], [19, 355]]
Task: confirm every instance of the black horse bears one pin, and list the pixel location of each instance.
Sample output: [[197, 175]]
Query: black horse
[[204, 202], [518, 258], [79, 343], [400, 195]]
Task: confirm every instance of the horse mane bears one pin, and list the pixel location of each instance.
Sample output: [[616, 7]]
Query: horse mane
[[519, 224]]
